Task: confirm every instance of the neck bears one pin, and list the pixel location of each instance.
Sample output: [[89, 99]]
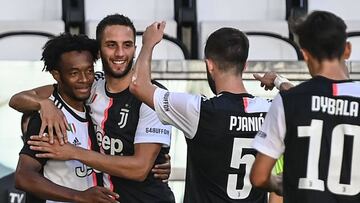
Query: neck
[[75, 104], [332, 69], [115, 85], [230, 83]]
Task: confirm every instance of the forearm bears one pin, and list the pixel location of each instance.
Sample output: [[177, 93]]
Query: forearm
[[129, 167], [141, 85], [26, 101], [43, 188]]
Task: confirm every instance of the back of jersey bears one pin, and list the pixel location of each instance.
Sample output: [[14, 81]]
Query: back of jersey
[[322, 142], [220, 154]]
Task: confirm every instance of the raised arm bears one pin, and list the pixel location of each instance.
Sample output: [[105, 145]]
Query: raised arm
[[37, 99], [270, 80], [29, 179], [141, 85]]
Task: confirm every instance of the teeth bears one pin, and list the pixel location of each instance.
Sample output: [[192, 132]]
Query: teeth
[[119, 62]]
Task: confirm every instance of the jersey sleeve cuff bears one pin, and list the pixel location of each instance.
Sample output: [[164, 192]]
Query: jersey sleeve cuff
[[264, 150]]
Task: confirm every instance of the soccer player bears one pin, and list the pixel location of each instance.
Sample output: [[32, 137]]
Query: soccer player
[[315, 124], [129, 133], [70, 59], [218, 130]]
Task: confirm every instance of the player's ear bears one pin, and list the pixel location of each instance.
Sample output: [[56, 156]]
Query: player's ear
[[305, 54], [210, 65], [347, 50], [56, 75]]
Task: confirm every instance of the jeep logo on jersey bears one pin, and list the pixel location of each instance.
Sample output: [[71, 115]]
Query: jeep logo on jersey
[[123, 117], [109, 143]]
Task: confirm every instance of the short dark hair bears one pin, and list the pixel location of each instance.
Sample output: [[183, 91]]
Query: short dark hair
[[63, 43], [323, 35], [228, 48], [114, 19]]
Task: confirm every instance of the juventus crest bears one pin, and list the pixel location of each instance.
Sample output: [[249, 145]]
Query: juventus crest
[[123, 117]]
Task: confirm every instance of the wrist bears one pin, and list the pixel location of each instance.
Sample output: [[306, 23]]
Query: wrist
[[280, 80]]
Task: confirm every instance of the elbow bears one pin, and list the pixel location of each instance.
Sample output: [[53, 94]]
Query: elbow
[[141, 170], [258, 180], [12, 102], [20, 181], [141, 174]]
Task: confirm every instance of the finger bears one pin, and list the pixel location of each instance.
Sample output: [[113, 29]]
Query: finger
[[109, 193], [167, 157], [42, 128], [65, 124], [257, 76], [44, 155], [37, 143], [51, 133], [58, 132], [161, 171], [38, 138], [162, 25], [162, 166], [41, 149], [161, 176], [61, 139]]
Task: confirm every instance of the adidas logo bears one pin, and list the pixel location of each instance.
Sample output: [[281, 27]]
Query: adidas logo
[[76, 142]]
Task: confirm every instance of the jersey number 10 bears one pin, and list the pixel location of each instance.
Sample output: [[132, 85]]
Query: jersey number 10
[[312, 181]]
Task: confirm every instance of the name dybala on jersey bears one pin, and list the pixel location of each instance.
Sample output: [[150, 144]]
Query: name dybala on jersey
[[72, 174], [121, 120], [317, 127], [219, 132]]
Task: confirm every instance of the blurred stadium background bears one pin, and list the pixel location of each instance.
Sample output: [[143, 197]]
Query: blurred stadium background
[[25, 27]]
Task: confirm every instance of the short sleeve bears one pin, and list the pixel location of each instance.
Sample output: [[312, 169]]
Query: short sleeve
[[270, 139], [150, 129], [33, 129], [181, 110]]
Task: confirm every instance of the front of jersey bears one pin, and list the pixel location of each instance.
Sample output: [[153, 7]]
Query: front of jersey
[[121, 121], [318, 129], [72, 174], [219, 133]]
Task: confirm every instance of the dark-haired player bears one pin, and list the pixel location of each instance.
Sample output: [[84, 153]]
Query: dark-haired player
[[70, 59], [315, 124]]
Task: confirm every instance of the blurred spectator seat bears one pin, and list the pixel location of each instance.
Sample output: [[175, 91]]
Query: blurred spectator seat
[[26, 26], [354, 39], [141, 12], [257, 16], [346, 9], [168, 48]]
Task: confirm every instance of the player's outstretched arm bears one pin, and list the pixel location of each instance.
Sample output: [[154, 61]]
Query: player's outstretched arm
[[135, 167], [29, 179], [37, 99], [141, 85], [270, 80]]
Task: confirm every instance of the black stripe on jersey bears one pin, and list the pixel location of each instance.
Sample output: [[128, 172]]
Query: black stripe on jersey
[[99, 75], [60, 104]]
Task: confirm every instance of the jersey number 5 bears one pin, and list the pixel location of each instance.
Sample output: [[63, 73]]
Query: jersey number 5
[[236, 159], [312, 181]]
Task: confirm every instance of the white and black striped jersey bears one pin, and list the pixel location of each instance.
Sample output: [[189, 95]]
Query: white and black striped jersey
[[317, 127], [121, 120], [218, 132], [72, 174]]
